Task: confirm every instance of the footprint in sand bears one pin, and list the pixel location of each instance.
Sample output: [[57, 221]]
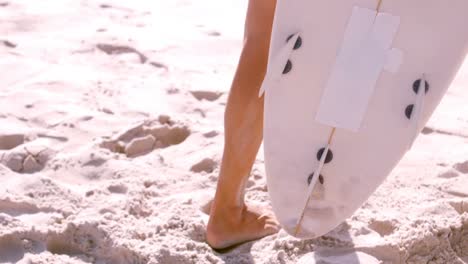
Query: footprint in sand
[[114, 49], [461, 167], [9, 44], [383, 227], [211, 134], [206, 165], [117, 188], [213, 33], [104, 6], [26, 159], [172, 90], [14, 208], [206, 95], [200, 111], [430, 130], [451, 173], [83, 238], [89, 239], [158, 65], [11, 141], [147, 136]]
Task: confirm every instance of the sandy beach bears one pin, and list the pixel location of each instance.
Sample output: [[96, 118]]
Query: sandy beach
[[111, 135]]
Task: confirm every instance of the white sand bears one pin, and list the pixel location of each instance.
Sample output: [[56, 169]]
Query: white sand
[[111, 135]]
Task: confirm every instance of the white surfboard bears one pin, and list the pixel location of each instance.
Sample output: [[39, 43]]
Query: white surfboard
[[357, 80]]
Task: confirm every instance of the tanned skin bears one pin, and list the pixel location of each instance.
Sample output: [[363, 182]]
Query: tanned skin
[[232, 221]]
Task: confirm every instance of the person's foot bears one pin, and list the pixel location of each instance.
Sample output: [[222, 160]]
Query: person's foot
[[231, 226]]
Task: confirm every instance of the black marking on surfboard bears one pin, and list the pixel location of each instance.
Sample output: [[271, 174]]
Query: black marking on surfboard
[[287, 67], [409, 111], [416, 85], [311, 176], [329, 157], [298, 43]]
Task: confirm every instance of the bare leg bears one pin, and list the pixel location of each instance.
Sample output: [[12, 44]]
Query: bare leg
[[231, 221]]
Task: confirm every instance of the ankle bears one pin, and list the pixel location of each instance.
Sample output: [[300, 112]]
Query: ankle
[[223, 209], [222, 202]]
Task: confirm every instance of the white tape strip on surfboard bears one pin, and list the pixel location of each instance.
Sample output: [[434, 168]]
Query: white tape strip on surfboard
[[276, 67], [365, 53]]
